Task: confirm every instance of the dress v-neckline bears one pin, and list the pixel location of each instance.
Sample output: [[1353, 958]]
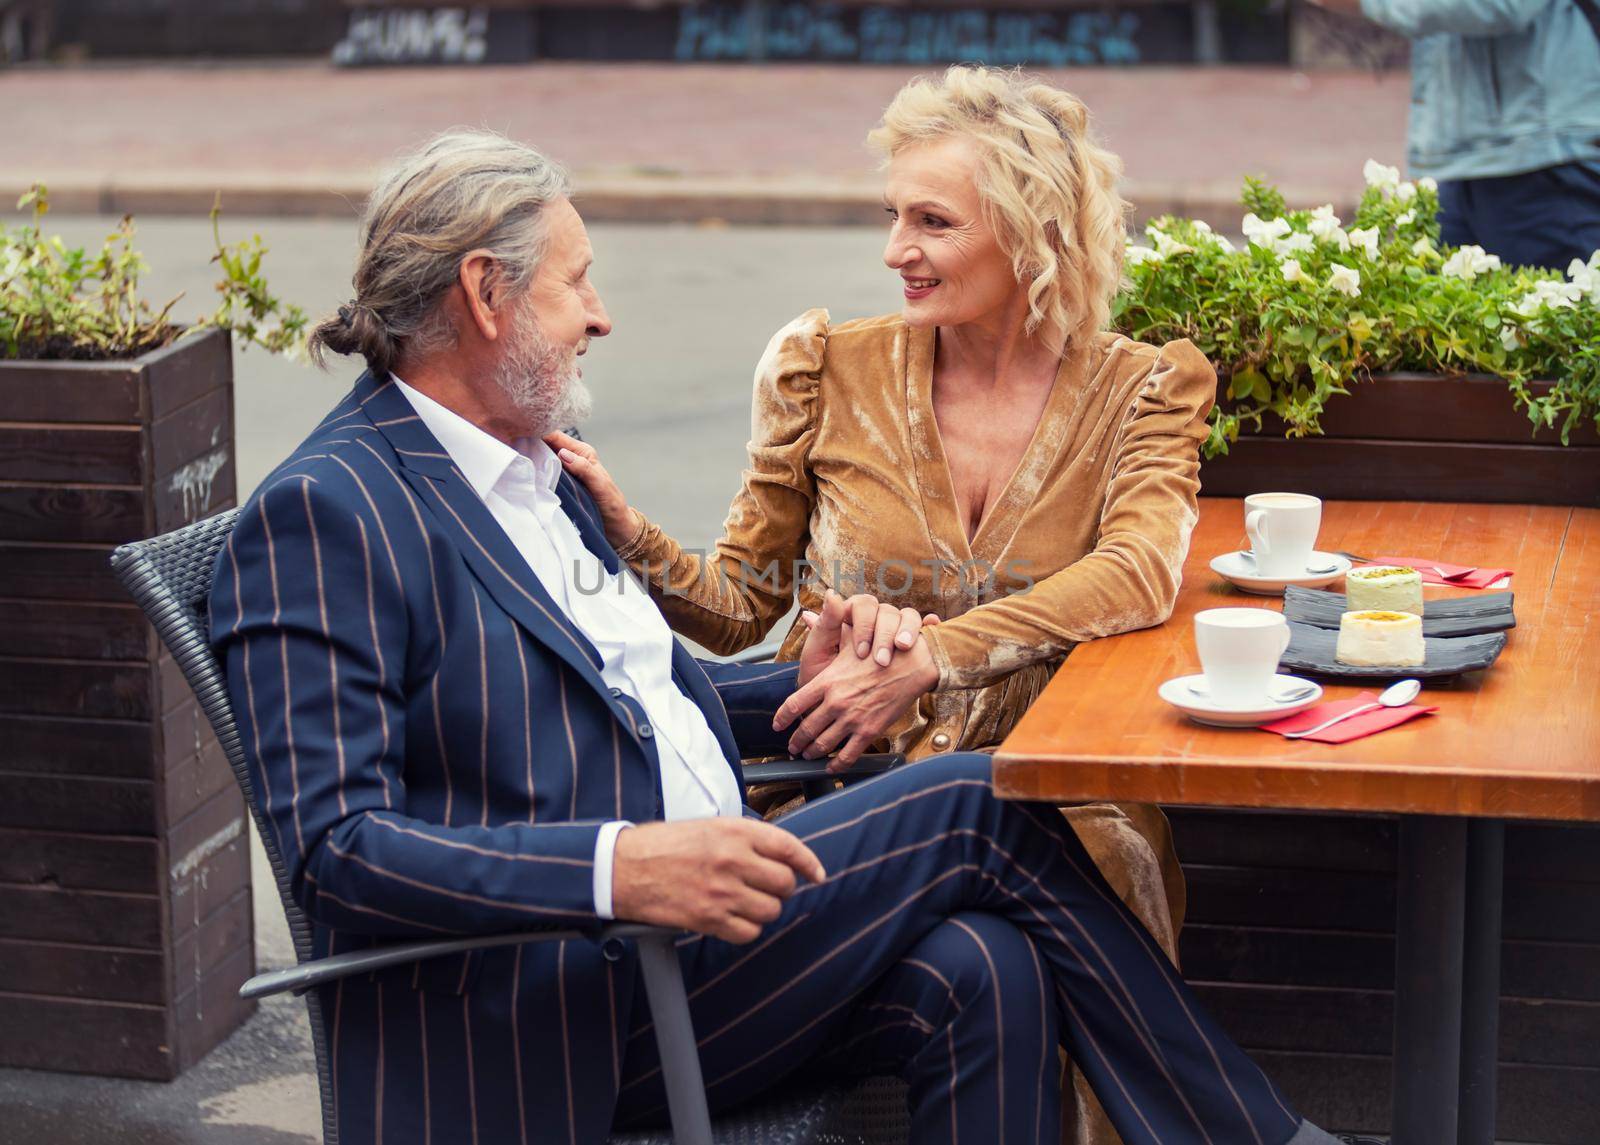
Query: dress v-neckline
[[941, 507]]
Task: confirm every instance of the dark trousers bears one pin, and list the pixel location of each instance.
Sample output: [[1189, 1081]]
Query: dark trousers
[[957, 940], [1542, 218]]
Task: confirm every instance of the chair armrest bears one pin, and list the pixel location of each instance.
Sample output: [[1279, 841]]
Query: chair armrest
[[303, 977], [811, 770], [663, 983]]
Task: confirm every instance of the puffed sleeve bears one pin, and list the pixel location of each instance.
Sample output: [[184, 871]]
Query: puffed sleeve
[[730, 598], [1130, 579]]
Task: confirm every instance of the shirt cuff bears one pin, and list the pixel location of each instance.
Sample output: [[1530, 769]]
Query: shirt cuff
[[605, 846]]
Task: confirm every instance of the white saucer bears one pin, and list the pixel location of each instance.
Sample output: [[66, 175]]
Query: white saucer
[[1202, 710], [1240, 570]]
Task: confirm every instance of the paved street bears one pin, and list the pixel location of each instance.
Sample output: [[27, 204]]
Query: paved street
[[652, 141], [693, 307]]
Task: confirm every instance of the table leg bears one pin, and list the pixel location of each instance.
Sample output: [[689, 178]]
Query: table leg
[[1480, 987], [1429, 946]]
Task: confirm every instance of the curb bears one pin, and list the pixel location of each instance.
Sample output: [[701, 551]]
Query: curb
[[705, 200]]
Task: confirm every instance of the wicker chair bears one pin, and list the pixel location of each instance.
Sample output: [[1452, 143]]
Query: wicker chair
[[170, 578]]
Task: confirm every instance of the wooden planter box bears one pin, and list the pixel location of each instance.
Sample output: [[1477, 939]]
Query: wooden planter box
[[125, 919], [1416, 437]]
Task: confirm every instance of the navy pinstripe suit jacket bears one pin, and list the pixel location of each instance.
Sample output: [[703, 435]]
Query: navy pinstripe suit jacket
[[435, 749]]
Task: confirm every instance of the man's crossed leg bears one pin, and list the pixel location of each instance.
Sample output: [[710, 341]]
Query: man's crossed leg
[[956, 940]]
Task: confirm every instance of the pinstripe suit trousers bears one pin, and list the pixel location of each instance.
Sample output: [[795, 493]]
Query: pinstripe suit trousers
[[957, 940]]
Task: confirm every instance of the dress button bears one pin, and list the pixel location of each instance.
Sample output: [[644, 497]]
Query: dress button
[[616, 693], [941, 741], [646, 731]]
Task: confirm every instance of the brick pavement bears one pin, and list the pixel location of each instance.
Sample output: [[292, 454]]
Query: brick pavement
[[774, 143]]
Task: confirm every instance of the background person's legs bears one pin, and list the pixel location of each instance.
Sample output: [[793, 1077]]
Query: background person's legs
[[1542, 218]]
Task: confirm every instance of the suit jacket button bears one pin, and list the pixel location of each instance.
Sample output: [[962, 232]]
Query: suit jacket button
[[616, 693], [612, 949], [646, 731], [941, 741]]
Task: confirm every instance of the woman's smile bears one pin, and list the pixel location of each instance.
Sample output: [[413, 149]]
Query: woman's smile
[[919, 287]]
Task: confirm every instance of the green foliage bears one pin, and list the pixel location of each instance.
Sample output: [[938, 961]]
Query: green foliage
[[60, 302], [1309, 308]]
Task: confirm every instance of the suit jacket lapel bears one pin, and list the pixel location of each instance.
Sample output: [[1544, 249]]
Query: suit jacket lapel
[[494, 559], [686, 671], [580, 511], [484, 545]]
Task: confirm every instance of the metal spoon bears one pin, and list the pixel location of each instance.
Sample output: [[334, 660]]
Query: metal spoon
[[1296, 692], [1396, 695]]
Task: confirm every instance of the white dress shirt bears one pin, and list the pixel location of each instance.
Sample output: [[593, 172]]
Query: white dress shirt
[[621, 621]]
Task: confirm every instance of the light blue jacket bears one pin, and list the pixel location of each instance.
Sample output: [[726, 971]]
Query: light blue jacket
[[1498, 87]]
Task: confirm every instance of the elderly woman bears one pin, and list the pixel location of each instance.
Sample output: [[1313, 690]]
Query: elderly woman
[[988, 455]]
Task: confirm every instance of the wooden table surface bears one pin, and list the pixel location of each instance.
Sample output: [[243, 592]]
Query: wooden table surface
[[1520, 739]]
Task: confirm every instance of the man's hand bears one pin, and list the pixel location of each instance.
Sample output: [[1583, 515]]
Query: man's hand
[[725, 877], [580, 459], [852, 702], [886, 631]]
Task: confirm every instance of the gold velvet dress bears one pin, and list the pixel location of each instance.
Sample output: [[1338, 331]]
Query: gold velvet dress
[[848, 488]]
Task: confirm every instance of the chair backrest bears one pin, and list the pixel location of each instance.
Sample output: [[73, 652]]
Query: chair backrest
[[169, 577]]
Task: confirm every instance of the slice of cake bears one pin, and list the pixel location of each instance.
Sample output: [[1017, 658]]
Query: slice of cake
[[1384, 588], [1377, 639]]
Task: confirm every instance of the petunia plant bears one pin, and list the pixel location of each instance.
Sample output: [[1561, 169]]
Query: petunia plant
[[1309, 307]]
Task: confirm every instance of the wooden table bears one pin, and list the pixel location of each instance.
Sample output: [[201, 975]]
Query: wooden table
[[1518, 741]]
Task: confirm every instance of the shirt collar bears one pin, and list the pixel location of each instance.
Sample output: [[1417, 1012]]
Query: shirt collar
[[482, 458]]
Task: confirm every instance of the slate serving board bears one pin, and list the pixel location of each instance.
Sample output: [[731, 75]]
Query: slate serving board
[[1460, 616], [1311, 650]]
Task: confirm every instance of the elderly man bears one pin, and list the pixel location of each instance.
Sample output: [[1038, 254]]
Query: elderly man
[[453, 731]]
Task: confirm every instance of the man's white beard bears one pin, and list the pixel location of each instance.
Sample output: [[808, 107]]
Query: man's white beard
[[542, 380]]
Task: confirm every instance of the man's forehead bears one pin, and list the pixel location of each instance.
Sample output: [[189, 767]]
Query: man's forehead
[[567, 233]]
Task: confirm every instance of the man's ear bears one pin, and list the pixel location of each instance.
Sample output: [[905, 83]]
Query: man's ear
[[479, 277]]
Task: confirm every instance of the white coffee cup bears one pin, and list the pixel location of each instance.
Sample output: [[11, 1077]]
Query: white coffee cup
[[1239, 651], [1282, 528]]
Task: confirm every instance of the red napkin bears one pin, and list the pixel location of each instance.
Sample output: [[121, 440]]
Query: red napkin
[[1377, 720], [1478, 578]]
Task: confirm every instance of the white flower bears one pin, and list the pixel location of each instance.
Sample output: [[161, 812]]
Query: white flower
[[1262, 233], [1586, 276], [1405, 192], [1510, 338], [1384, 178], [1296, 242], [1548, 295], [1367, 239], [1292, 271], [1324, 226], [1222, 243], [1406, 219], [1202, 226], [1428, 183], [1140, 254], [1166, 245], [1468, 262], [1346, 280], [1424, 245]]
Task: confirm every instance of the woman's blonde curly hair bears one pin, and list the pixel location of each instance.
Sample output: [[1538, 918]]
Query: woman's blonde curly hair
[[1048, 190]]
